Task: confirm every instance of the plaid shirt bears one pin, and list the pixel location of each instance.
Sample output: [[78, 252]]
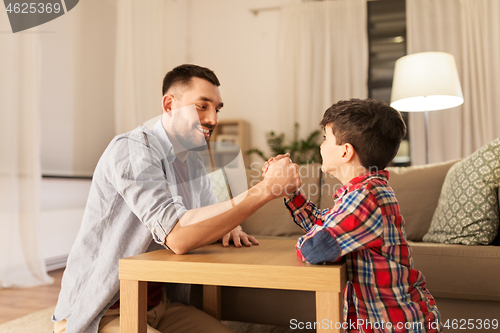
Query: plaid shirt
[[383, 293]]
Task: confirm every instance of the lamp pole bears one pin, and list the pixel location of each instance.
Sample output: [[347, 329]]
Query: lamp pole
[[426, 137]]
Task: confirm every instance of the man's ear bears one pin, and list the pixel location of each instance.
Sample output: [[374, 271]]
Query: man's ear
[[167, 101], [348, 153]]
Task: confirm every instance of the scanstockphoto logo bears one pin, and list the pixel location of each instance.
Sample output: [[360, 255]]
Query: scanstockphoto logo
[[28, 14]]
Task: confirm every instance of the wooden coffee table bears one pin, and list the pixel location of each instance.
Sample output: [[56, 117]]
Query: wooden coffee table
[[272, 264]]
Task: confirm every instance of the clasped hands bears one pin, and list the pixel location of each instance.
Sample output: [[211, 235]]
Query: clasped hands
[[281, 176], [281, 179]]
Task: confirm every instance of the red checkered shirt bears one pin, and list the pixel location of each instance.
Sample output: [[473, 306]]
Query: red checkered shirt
[[383, 293]]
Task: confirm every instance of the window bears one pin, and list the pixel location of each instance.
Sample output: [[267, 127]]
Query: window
[[387, 43]]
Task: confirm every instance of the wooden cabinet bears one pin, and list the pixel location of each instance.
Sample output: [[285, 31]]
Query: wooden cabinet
[[226, 134]]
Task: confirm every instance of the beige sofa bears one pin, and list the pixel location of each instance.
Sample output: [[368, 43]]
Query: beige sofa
[[465, 280]]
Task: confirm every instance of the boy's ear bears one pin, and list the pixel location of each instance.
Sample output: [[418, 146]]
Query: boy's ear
[[167, 102], [348, 153]]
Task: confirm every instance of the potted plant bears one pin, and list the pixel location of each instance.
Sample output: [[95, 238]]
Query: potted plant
[[301, 151]]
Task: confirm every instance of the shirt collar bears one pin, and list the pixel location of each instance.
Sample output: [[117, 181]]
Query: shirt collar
[[162, 137], [357, 181]]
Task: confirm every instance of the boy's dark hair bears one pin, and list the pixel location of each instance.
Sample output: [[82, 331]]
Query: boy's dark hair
[[182, 75], [372, 127]]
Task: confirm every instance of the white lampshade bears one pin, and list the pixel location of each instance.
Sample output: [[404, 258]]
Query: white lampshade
[[426, 81]]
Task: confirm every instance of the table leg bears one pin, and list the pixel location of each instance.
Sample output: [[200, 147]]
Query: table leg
[[133, 306], [329, 311], [211, 301]]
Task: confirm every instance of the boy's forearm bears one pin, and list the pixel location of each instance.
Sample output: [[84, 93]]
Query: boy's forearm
[[304, 212], [206, 225]]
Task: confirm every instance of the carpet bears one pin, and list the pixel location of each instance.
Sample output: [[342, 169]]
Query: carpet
[[239, 327], [39, 322], [36, 322]]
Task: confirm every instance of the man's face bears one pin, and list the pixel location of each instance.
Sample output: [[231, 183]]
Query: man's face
[[193, 128], [331, 153]]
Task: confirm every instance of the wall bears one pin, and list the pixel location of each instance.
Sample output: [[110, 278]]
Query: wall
[[78, 72], [242, 49], [77, 82], [57, 95]]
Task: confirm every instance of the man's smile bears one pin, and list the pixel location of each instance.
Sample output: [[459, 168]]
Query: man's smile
[[204, 131]]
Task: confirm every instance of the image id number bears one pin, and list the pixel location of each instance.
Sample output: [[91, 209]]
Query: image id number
[[470, 324], [33, 7]]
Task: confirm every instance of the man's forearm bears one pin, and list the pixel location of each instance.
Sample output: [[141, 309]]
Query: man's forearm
[[206, 225]]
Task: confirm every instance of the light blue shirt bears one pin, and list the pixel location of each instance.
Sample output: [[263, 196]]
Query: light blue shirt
[[132, 201]]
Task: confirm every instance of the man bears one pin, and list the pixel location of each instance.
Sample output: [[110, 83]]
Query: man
[[149, 192]]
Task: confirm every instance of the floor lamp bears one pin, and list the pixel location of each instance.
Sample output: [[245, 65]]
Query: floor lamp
[[423, 82]]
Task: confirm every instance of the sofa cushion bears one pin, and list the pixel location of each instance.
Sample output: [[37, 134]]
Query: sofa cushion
[[459, 311], [274, 219], [467, 211], [459, 271], [417, 190], [329, 186]]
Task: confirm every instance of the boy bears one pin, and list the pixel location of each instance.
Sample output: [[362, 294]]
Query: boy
[[383, 293]]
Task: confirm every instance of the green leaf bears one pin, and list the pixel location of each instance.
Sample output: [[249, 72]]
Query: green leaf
[[301, 151]]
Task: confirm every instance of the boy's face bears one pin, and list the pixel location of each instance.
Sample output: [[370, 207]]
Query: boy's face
[[331, 153]]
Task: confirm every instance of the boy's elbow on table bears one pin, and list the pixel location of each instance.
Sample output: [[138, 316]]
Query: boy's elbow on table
[[319, 249]]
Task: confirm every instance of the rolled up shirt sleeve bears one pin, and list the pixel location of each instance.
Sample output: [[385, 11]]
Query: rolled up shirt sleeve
[[139, 177]]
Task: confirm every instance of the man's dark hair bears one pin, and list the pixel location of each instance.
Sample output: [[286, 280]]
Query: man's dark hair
[[372, 127], [184, 73]]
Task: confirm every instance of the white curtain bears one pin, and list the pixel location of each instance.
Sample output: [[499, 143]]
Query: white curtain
[[21, 264], [470, 30], [147, 47], [323, 59]]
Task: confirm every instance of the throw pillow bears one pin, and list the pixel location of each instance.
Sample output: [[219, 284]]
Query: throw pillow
[[496, 241], [467, 211]]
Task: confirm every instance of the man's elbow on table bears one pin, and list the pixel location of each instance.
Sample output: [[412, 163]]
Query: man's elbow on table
[[176, 243], [177, 246]]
